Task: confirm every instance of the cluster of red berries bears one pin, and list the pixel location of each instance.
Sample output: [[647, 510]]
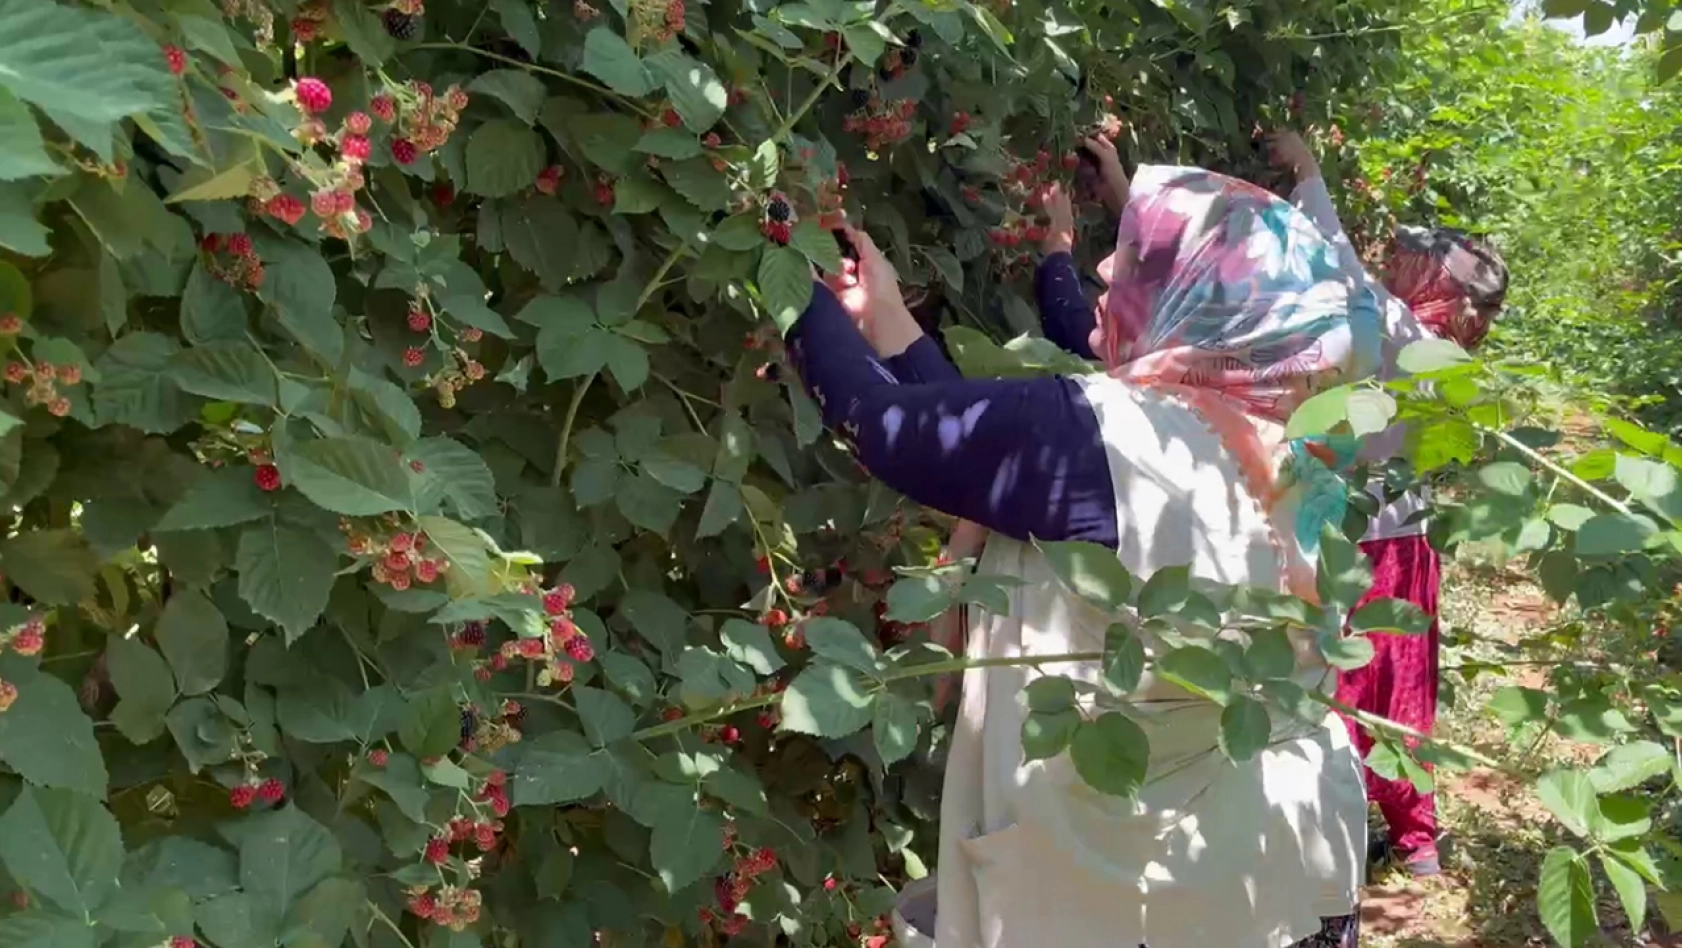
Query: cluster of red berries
[[400, 558], [270, 791], [779, 219], [232, 259], [26, 639], [311, 17], [882, 123], [451, 907], [44, 379], [463, 370], [549, 180], [183, 941], [584, 11], [176, 57], [960, 123], [730, 889], [495, 791], [603, 190], [424, 120], [660, 20], [564, 638]]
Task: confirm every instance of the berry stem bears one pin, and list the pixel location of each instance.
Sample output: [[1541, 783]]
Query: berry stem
[[566, 428], [812, 97], [533, 67]]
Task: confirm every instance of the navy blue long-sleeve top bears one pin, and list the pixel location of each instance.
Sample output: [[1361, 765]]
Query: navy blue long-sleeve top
[[1023, 457]]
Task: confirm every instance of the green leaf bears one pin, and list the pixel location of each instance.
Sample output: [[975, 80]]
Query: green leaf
[[1092, 571], [1369, 411], [453, 473], [1628, 766], [1390, 615], [56, 567], [785, 285], [1609, 534], [300, 285], [1346, 652], [282, 855], [686, 844], [919, 598], [285, 575], [841, 642], [1051, 694], [40, 929], [211, 310], [1320, 414], [699, 183], [818, 245], [1505, 477], [695, 90], [1044, 736], [674, 143], [432, 724], [146, 687], [1111, 754], [220, 498], [516, 88], [1245, 728], [25, 155], [63, 846], [608, 140], [44, 736], [226, 371], [358, 477], [612, 60], [79, 64], [503, 157], [556, 768], [606, 717], [1565, 898], [1199, 671], [363, 32], [894, 728], [1631, 889], [1514, 705], [750, 643], [1431, 355], [1124, 659], [826, 700], [1570, 796], [1165, 592], [135, 388]]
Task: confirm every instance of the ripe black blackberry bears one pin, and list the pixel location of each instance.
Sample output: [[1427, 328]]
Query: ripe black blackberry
[[468, 725], [914, 39], [779, 211], [908, 57], [861, 98], [401, 25]]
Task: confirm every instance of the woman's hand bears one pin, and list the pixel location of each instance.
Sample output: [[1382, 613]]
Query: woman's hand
[[1060, 212], [1116, 185], [1289, 152], [870, 293]]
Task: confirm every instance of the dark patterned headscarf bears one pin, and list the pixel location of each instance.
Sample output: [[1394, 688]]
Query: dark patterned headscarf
[[1454, 285]]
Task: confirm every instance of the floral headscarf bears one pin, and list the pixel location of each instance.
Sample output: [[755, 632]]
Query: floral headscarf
[[1233, 298]]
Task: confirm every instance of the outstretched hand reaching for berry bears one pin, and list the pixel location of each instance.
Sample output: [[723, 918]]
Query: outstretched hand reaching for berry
[[1115, 184], [1060, 227], [1289, 152], [869, 291]]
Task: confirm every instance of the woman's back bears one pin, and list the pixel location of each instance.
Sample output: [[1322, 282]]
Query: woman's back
[[1043, 857]]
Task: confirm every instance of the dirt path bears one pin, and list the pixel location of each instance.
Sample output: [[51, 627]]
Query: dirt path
[[1497, 832]]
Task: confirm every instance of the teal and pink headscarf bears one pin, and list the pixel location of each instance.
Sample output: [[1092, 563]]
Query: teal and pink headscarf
[[1236, 300]]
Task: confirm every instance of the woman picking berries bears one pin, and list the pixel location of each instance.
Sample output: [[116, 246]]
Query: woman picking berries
[[1227, 309], [1453, 287]]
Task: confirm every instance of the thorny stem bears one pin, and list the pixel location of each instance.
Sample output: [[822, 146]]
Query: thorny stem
[[566, 429], [812, 97], [1561, 472], [533, 67], [382, 916], [1375, 722]]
